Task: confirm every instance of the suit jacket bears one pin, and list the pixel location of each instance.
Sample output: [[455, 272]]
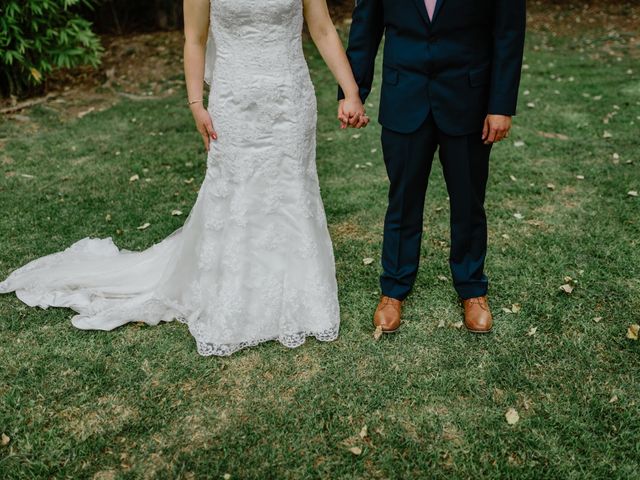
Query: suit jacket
[[461, 65]]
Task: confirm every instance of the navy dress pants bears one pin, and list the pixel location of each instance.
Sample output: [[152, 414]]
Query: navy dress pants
[[465, 164]]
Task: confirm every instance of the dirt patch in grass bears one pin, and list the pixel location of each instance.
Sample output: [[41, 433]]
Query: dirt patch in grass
[[348, 230], [580, 17], [110, 413], [138, 67]]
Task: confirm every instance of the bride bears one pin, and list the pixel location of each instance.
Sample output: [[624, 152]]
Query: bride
[[253, 261]]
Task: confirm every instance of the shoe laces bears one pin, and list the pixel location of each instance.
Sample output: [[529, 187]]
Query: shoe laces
[[389, 302], [480, 301]]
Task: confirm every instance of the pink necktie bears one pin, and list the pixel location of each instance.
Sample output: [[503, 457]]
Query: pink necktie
[[431, 7]]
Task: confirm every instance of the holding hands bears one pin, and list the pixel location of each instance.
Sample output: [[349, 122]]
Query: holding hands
[[351, 113]]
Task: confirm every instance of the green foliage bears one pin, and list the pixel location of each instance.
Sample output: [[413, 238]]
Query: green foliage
[[37, 36]]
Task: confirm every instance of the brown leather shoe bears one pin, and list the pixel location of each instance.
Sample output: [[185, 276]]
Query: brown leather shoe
[[477, 315], [388, 314]]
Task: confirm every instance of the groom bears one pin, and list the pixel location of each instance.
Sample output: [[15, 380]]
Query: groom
[[450, 78]]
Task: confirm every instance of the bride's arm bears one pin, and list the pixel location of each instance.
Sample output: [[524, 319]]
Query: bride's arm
[[324, 35], [196, 31]]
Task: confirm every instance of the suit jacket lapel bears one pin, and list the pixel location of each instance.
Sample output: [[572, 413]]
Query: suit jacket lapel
[[438, 7], [423, 11]]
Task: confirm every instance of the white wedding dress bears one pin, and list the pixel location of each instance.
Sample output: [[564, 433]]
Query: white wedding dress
[[253, 261]]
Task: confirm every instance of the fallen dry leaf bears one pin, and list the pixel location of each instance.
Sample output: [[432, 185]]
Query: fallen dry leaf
[[512, 416], [364, 432], [518, 216], [532, 331], [107, 217], [633, 331], [144, 226], [441, 324], [613, 399], [518, 144], [190, 180], [134, 178], [377, 334], [607, 134], [367, 261], [176, 212], [580, 177], [567, 288], [356, 450], [442, 278], [457, 325], [516, 307], [597, 319], [551, 186], [632, 193], [5, 440]]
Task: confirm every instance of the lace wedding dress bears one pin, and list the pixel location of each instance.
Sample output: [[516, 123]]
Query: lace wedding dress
[[253, 261]]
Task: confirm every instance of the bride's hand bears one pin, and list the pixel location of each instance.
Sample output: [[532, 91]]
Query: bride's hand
[[351, 113], [204, 124]]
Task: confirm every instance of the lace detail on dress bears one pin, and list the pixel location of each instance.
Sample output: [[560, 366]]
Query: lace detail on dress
[[253, 261], [289, 341]]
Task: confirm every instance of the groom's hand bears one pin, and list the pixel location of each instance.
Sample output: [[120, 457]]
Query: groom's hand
[[496, 128]]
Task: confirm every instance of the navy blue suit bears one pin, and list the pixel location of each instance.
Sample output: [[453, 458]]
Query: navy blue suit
[[440, 79]]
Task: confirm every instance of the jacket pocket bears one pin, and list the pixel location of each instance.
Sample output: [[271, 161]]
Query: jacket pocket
[[389, 75], [479, 76]]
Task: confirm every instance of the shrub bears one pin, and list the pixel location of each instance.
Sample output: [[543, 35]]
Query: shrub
[[37, 36]]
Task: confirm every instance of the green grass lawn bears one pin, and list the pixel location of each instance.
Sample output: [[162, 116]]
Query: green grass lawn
[[139, 402]]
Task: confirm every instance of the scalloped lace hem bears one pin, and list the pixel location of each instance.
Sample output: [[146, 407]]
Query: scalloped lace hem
[[295, 340]]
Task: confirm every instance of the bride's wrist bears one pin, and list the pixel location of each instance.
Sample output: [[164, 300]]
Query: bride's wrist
[[196, 107], [352, 94]]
